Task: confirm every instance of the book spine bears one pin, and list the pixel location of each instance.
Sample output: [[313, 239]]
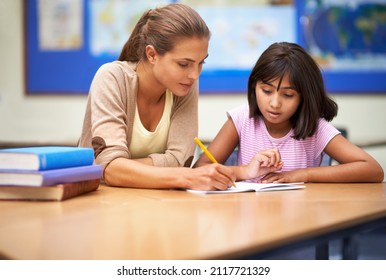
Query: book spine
[[66, 159], [70, 175], [75, 189]]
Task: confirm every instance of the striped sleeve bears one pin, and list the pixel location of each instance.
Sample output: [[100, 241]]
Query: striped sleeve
[[325, 132]]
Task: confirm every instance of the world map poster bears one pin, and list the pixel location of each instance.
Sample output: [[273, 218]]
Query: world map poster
[[348, 40]]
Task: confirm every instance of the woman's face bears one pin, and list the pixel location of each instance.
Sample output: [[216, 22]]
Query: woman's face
[[179, 68]]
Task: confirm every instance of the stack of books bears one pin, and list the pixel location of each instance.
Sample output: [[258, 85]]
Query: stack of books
[[47, 173]]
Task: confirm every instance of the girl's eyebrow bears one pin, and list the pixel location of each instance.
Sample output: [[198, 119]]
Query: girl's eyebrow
[[281, 87], [289, 87], [267, 83]]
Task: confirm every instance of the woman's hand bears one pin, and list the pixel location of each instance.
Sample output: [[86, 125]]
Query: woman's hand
[[212, 176]]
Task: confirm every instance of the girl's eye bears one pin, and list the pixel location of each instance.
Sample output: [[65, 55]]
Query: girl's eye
[[183, 65], [266, 91], [289, 94]]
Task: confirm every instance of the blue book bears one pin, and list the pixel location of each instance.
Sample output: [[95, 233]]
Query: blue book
[[45, 157], [50, 177]]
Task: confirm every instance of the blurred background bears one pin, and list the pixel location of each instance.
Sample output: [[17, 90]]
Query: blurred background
[[36, 108]]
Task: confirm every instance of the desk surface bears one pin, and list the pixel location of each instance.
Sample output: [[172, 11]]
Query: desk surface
[[120, 223]]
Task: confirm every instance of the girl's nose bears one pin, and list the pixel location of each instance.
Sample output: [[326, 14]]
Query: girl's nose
[[275, 101]]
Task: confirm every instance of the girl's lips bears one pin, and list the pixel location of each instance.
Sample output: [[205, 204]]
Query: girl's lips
[[273, 114]]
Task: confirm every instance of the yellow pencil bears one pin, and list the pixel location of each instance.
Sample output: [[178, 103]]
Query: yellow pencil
[[207, 153]]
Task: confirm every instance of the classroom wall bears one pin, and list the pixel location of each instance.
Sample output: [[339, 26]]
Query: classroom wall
[[58, 119]]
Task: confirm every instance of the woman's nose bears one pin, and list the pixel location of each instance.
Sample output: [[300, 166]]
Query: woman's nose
[[194, 73]]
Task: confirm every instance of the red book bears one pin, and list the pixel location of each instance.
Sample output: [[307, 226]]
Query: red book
[[57, 192]]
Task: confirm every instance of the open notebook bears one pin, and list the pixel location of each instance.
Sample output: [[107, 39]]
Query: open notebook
[[255, 187]]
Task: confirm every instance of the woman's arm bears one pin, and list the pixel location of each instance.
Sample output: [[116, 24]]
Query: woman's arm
[[355, 165], [124, 172]]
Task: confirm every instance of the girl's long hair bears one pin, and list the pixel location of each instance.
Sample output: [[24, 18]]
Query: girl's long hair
[[305, 77]]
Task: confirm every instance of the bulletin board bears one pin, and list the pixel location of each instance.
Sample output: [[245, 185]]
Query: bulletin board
[[68, 40], [55, 68]]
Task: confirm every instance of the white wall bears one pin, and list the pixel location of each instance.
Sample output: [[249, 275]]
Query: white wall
[[58, 119]]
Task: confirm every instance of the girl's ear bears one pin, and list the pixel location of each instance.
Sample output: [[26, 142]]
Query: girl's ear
[[151, 53]]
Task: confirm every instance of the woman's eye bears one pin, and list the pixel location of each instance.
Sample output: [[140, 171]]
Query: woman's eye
[[183, 65]]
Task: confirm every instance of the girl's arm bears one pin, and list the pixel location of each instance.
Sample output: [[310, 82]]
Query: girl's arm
[[355, 165], [224, 144]]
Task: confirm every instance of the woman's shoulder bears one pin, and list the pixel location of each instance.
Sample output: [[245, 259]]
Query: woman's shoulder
[[119, 67]]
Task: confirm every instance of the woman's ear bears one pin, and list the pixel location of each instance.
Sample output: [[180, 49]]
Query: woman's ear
[[151, 54]]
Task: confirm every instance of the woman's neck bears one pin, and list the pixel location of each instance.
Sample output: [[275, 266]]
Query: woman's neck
[[148, 87]]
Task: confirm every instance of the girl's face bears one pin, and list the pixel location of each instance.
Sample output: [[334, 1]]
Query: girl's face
[[277, 105], [179, 68]]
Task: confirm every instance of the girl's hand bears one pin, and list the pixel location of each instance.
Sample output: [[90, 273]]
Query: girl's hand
[[299, 175], [262, 163]]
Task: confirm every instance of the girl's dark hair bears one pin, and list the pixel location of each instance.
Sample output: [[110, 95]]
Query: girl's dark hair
[[161, 28], [305, 77]]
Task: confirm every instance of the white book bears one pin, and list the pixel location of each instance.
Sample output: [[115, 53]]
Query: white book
[[255, 187]]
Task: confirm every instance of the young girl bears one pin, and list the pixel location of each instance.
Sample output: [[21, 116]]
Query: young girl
[[141, 115], [288, 118]]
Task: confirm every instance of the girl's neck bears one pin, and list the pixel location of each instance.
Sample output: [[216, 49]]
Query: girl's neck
[[278, 130]]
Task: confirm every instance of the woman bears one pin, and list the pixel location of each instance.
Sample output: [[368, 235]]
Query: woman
[[141, 115]]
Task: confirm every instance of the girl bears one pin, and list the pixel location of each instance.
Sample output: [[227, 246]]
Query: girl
[[141, 115], [288, 116]]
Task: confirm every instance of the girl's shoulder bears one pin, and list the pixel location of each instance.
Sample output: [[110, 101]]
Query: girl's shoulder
[[325, 129], [240, 112], [324, 124], [241, 119]]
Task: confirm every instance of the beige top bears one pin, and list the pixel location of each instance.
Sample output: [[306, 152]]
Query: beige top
[[145, 142], [109, 118]]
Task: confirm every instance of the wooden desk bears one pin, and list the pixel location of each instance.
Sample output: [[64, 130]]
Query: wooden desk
[[120, 223]]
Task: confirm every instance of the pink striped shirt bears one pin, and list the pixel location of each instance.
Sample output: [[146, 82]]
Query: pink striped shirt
[[254, 137]]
